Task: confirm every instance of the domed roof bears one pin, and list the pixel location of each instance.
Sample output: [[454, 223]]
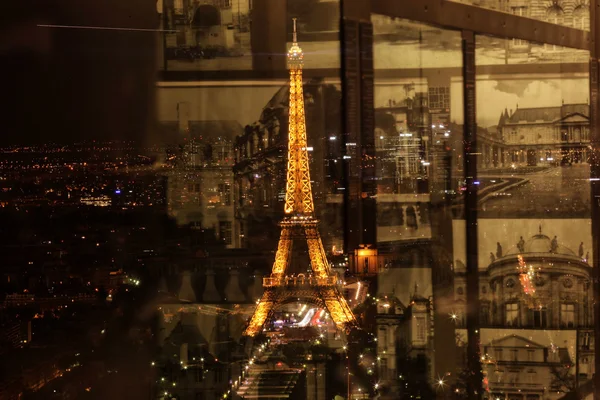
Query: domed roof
[[540, 243]]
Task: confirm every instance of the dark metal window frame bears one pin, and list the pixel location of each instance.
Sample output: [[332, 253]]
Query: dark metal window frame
[[482, 21]]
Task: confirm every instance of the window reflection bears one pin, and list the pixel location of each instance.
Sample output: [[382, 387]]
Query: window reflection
[[534, 214], [212, 35], [573, 13], [418, 141], [159, 249]]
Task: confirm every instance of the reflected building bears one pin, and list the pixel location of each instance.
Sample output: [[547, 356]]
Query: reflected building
[[416, 164], [202, 316], [218, 24], [260, 162], [545, 135], [403, 337], [403, 140], [200, 183], [537, 297], [574, 13], [523, 368], [403, 143], [532, 137]]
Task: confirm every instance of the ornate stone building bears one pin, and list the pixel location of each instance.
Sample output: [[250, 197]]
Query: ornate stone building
[[574, 13], [535, 317], [571, 13], [545, 135], [403, 333]]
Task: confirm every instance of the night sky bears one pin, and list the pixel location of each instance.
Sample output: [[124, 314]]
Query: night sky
[[64, 85]]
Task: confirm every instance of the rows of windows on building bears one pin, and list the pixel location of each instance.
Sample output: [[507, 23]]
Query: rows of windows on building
[[573, 13], [527, 338]]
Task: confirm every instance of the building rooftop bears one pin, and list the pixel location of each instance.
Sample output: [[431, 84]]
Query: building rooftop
[[540, 243], [544, 114]]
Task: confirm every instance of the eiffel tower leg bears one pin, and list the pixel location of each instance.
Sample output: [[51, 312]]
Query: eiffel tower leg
[[283, 252], [261, 313], [338, 308], [316, 252], [292, 163]]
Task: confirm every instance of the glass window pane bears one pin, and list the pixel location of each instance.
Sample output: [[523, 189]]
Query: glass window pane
[[214, 35], [534, 227], [227, 146], [497, 51], [418, 139], [225, 35]]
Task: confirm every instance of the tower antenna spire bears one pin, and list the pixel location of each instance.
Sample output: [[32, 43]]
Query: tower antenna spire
[[295, 39]]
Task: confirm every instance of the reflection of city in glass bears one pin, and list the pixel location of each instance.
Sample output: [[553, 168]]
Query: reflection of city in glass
[[563, 12], [207, 35], [300, 199]]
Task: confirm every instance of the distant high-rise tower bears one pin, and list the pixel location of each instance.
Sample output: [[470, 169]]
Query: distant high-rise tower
[[299, 223]]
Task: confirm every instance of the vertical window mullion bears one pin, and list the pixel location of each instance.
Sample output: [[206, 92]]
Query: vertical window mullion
[[470, 210]]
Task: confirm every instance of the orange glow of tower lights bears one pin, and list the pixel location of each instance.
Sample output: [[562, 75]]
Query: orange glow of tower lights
[[298, 194], [526, 276], [299, 215]]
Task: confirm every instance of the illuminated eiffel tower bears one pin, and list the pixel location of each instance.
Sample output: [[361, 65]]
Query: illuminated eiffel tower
[[299, 223]]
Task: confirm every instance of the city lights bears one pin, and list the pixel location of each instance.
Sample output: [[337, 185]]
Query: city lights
[[201, 214]]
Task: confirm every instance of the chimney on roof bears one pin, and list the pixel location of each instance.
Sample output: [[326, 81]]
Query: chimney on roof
[[186, 291], [232, 290], [211, 294], [510, 115]]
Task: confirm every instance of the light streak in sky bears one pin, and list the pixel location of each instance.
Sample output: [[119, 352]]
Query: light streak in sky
[[104, 28]]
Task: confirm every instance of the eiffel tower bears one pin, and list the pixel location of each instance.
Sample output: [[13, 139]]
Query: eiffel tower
[[299, 223]]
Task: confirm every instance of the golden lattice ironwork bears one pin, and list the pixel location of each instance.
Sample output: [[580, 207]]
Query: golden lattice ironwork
[[299, 222], [298, 193]]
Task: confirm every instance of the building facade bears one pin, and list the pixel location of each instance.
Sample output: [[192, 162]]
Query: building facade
[[200, 188], [536, 318], [574, 13], [403, 342], [545, 135], [209, 23]]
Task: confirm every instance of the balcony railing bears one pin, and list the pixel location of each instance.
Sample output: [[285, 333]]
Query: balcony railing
[[300, 281], [519, 385]]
